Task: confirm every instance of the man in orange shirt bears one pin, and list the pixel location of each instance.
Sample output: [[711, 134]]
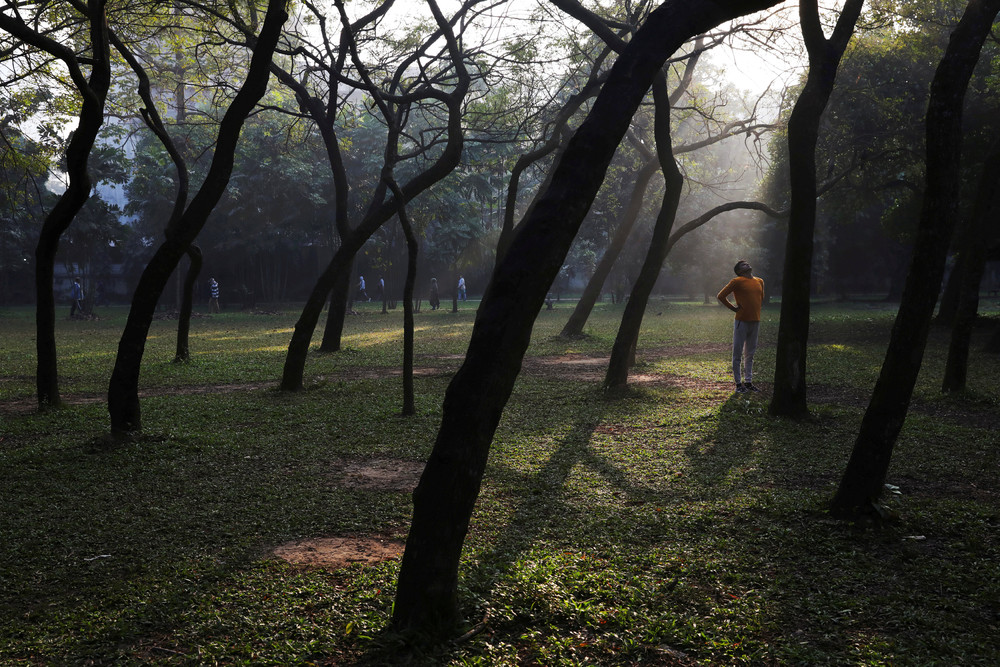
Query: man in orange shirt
[[749, 293]]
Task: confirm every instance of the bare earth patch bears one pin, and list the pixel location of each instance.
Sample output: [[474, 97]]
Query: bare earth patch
[[379, 474], [336, 552], [331, 553]]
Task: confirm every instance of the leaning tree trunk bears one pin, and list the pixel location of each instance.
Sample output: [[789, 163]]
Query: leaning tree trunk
[[184, 317], [862, 483], [592, 291], [623, 351], [123, 388], [427, 590], [337, 273], [986, 207], [340, 295], [789, 398], [94, 92], [952, 293]]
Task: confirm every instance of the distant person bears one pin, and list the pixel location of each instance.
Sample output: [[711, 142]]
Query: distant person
[[362, 294], [435, 298], [461, 288], [380, 295], [749, 293], [213, 296], [76, 298]]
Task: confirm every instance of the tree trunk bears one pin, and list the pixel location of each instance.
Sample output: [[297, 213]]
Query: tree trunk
[[409, 402], [123, 388], [184, 318], [623, 351], [986, 206], [427, 590], [94, 92], [340, 295], [948, 308], [592, 291], [789, 398], [862, 483], [337, 273]]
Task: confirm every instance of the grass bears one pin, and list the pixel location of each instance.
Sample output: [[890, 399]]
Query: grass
[[676, 525]]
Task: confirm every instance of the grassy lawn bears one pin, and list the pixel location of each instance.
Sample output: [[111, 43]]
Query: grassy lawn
[[677, 525]]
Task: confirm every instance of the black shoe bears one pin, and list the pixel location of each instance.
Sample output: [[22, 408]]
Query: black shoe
[[740, 389], [748, 386]]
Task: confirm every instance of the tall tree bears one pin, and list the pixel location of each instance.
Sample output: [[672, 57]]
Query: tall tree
[[93, 91], [155, 123], [974, 249], [445, 80], [789, 398], [862, 483], [123, 387], [426, 595], [623, 350]]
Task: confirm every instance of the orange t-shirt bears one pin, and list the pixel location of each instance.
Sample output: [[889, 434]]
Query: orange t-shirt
[[749, 293]]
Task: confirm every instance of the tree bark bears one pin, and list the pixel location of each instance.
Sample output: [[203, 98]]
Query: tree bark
[[93, 93], [340, 294], [184, 317], [789, 397], [123, 388], [862, 482], [623, 350], [986, 206], [592, 291], [952, 293], [412, 250], [426, 595]]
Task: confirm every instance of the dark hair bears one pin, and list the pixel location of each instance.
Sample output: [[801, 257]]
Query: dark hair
[[736, 267]]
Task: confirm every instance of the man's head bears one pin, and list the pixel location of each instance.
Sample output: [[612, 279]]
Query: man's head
[[743, 268]]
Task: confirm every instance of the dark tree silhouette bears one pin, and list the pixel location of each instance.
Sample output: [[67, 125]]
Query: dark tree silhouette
[[123, 388], [426, 595], [789, 397], [154, 122], [623, 350], [863, 480], [93, 92], [974, 247], [183, 352], [592, 290]]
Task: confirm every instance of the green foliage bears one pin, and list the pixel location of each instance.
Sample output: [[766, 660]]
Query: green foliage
[[676, 525]]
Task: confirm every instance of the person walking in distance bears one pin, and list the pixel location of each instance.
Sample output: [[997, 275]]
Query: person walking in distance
[[748, 291], [362, 294], [76, 298], [435, 297], [461, 288], [213, 296]]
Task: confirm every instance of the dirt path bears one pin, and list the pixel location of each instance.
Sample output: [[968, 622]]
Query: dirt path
[[569, 367]]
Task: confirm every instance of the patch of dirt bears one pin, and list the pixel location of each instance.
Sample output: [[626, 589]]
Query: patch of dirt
[[331, 553], [378, 474]]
